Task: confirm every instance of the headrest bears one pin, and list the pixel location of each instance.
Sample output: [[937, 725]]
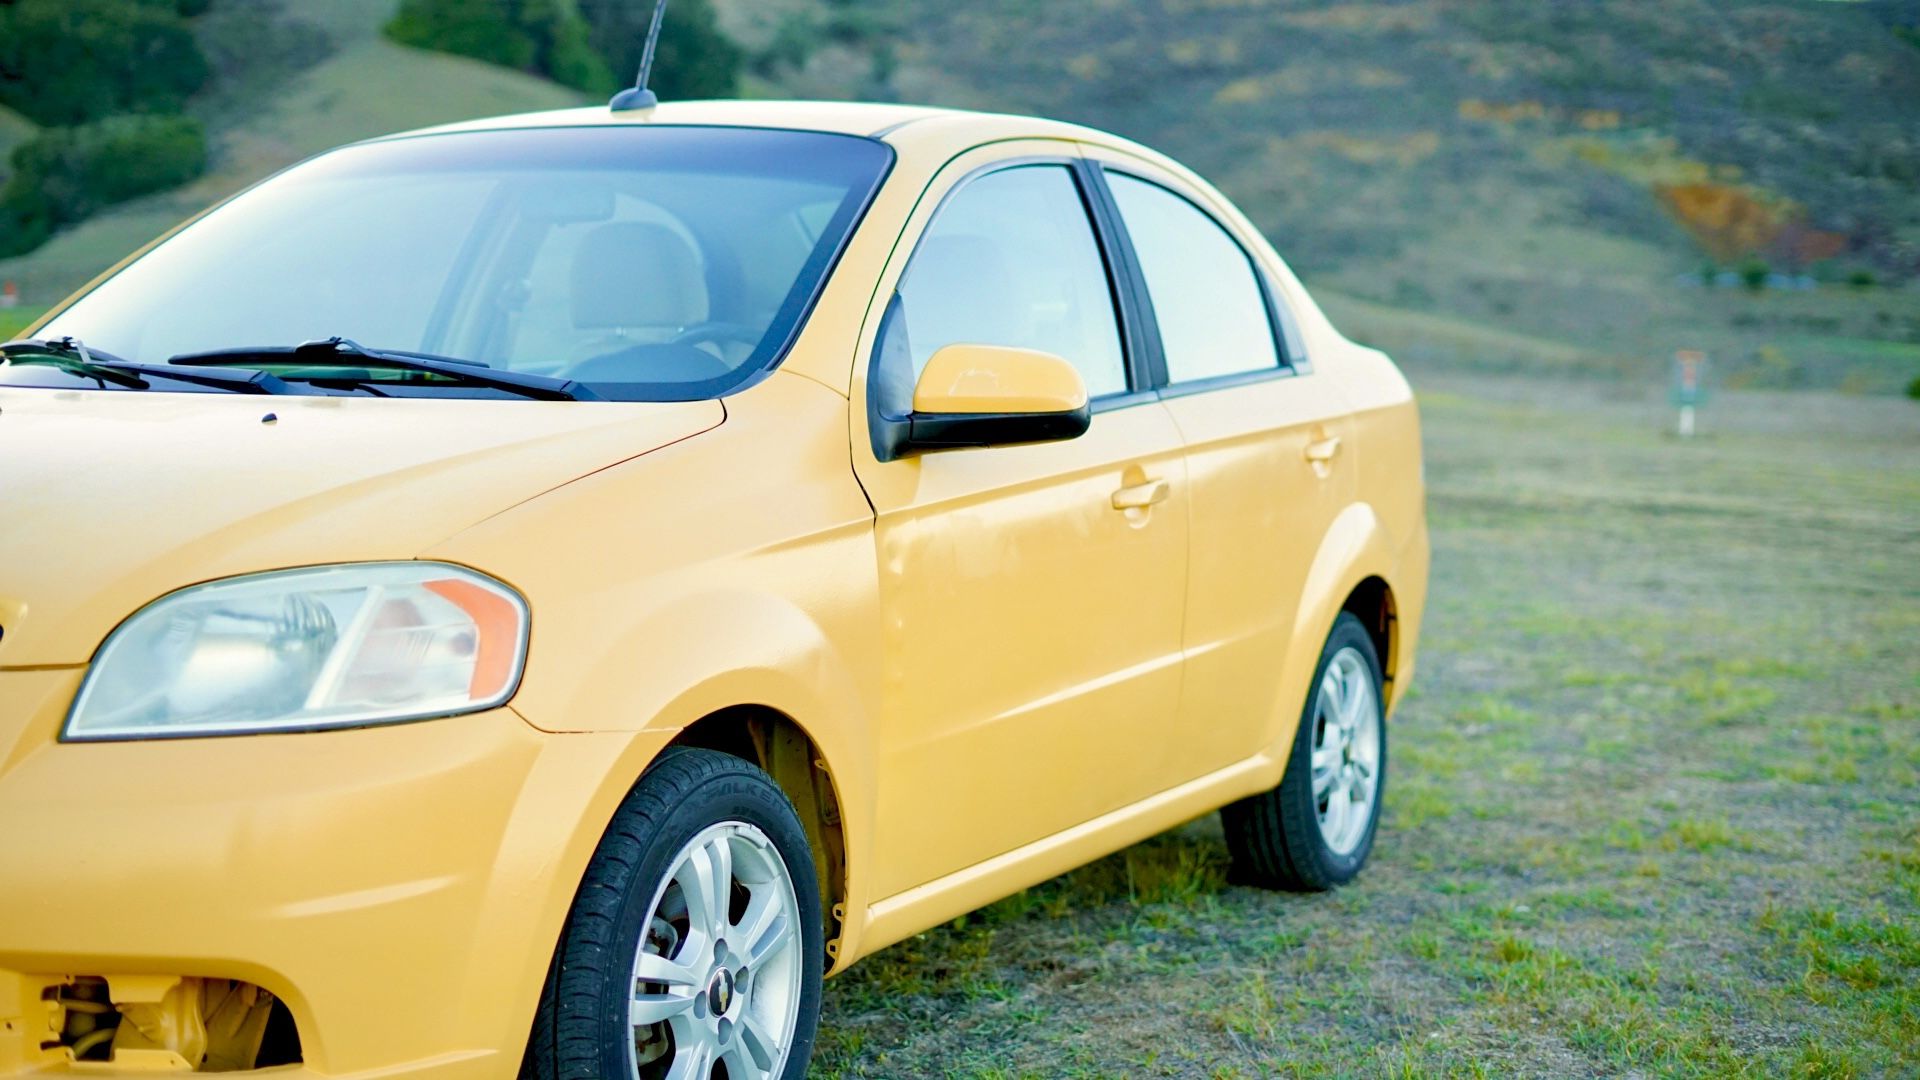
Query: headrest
[[632, 274]]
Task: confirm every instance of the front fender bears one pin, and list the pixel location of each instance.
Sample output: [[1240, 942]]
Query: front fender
[[707, 575], [724, 649]]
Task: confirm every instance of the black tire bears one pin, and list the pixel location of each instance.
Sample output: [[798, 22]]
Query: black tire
[[1275, 837], [581, 1030]]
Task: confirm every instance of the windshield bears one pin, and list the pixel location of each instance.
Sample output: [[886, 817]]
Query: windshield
[[661, 264]]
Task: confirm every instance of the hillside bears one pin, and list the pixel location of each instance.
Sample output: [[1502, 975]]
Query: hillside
[[1490, 184], [364, 86], [1510, 163]]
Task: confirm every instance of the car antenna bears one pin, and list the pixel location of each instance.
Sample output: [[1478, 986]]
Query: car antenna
[[638, 97]]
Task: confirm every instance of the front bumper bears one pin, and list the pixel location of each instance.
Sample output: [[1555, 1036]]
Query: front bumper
[[399, 888]]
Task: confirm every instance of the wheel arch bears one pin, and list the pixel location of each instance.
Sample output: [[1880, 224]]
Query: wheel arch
[[782, 748], [1372, 602], [1352, 571]]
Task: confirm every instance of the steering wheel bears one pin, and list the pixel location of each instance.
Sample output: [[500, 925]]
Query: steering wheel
[[716, 330]]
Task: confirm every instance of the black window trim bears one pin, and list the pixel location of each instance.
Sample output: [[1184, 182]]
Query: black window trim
[[1290, 352], [1126, 312], [1140, 333]]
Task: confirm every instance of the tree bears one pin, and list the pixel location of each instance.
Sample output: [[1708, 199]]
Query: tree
[[64, 175], [67, 62], [694, 58], [543, 37]]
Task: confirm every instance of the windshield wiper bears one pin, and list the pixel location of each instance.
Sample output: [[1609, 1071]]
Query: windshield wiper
[[347, 355], [71, 354]]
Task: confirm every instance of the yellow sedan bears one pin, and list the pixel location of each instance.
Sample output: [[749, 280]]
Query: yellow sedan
[[533, 597]]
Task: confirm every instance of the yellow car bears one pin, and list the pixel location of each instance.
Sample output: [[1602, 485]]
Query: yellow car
[[532, 597]]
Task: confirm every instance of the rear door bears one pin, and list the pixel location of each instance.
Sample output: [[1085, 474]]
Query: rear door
[[1269, 456], [1031, 626]]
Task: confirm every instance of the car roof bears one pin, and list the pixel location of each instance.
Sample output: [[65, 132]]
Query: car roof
[[838, 117]]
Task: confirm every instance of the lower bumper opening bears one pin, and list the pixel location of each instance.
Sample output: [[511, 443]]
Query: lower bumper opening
[[168, 1023]]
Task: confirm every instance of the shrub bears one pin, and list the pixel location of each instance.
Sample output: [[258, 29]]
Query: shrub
[[546, 37], [254, 50], [591, 45], [1753, 274], [65, 62], [1862, 279], [65, 174], [481, 29], [1913, 389], [694, 59]]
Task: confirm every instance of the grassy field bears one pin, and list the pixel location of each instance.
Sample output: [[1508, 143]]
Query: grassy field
[[17, 319], [1654, 807]]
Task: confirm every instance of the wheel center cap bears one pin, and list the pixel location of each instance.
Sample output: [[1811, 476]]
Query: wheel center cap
[[720, 991]]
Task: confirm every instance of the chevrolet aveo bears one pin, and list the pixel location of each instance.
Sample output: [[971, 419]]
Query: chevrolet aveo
[[535, 596]]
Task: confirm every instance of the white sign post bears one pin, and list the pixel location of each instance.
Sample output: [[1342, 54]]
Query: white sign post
[[1689, 386]]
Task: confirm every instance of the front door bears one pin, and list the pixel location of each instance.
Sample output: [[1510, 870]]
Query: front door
[[1032, 628]]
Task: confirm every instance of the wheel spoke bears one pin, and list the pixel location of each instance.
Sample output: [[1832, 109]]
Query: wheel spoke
[[755, 863], [704, 878], [762, 909], [770, 939], [739, 1063], [692, 1061], [753, 1038], [653, 1008], [1323, 777], [721, 855], [1333, 824], [659, 969], [1354, 699], [1332, 696], [1325, 757]]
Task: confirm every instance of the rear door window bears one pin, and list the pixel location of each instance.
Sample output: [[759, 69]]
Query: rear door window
[[1206, 294]]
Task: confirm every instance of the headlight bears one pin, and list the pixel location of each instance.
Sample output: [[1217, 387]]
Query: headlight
[[329, 647]]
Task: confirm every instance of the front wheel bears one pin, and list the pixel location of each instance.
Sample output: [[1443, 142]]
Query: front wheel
[[694, 945], [1315, 830]]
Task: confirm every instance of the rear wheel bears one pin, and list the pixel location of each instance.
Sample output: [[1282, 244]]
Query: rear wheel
[[1316, 829], [694, 946]]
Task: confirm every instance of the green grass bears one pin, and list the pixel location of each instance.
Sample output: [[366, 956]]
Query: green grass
[[1652, 809], [17, 319]]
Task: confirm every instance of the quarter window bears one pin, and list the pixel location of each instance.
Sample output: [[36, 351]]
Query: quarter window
[[1010, 260], [1208, 303]]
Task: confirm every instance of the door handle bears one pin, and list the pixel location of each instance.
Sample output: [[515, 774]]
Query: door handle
[[1322, 451], [1140, 496]]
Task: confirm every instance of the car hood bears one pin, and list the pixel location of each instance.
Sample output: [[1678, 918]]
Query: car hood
[[109, 500]]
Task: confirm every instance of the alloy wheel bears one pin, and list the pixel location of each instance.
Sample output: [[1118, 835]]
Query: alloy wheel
[[716, 982], [1346, 751]]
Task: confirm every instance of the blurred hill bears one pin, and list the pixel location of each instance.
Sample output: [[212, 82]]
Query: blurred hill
[[294, 79], [1494, 184], [1507, 183]]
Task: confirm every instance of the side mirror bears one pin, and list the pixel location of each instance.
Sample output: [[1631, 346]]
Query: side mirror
[[990, 395]]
